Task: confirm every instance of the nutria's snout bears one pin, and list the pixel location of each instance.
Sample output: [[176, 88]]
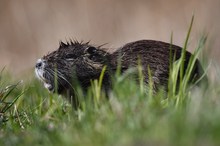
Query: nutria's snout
[[39, 69], [42, 74]]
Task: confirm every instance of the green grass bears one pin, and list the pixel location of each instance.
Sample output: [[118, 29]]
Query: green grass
[[134, 115]]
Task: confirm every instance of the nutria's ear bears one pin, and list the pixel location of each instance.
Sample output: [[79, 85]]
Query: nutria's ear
[[62, 44], [91, 50]]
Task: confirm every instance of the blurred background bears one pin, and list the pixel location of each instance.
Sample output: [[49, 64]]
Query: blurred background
[[31, 28]]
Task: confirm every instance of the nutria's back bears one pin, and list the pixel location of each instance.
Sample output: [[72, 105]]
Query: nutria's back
[[82, 62], [154, 55]]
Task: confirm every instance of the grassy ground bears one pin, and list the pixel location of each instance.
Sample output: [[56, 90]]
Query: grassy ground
[[133, 116]]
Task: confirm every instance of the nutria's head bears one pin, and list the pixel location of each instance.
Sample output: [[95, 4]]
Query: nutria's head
[[70, 62]]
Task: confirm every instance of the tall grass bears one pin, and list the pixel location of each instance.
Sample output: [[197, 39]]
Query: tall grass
[[133, 114]]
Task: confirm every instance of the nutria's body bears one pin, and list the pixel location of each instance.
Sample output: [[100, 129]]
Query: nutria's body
[[83, 62]]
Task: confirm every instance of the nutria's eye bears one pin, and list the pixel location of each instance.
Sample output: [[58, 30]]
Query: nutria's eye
[[91, 50], [93, 54], [70, 56]]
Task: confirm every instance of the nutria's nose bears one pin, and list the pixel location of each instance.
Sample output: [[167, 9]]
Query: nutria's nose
[[39, 64]]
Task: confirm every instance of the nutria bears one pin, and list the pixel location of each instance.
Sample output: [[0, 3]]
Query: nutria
[[82, 62]]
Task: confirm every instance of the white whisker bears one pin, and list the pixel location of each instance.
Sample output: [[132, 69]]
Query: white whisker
[[60, 76]]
